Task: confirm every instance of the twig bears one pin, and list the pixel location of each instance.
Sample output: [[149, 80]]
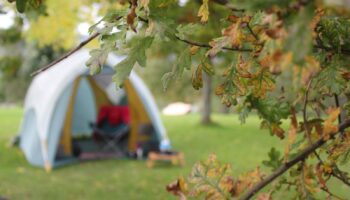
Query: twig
[[208, 46], [203, 45], [252, 32], [342, 51], [339, 175], [286, 166], [337, 104], [331, 194], [228, 5], [334, 167], [336, 172], [81, 45]]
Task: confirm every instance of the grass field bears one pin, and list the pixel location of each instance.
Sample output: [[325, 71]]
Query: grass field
[[243, 146]]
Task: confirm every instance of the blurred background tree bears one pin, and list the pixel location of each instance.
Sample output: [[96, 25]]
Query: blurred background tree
[[42, 41], [18, 58]]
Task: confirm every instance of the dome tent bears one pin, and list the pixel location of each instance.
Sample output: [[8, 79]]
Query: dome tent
[[62, 101]]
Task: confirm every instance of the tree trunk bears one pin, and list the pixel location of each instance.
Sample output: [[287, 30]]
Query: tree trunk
[[206, 96]]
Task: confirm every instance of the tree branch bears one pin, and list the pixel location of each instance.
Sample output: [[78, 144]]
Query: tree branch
[[286, 166], [85, 42], [252, 32], [342, 51], [81, 45], [337, 104], [331, 194], [203, 45], [228, 5], [339, 175]]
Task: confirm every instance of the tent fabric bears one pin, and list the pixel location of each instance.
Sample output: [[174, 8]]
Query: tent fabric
[[48, 99], [100, 96], [84, 108], [138, 114], [66, 136]]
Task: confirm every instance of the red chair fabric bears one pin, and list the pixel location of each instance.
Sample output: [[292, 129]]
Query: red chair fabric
[[114, 114]]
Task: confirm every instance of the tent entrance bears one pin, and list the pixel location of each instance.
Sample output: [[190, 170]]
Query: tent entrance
[[88, 98], [78, 139]]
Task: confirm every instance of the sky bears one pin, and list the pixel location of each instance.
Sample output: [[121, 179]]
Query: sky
[[6, 20]]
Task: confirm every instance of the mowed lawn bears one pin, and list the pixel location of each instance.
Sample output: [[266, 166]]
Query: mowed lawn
[[243, 146]]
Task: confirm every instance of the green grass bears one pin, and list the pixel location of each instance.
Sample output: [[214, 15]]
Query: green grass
[[243, 146]]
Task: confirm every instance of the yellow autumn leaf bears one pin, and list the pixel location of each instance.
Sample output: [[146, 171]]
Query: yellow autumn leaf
[[319, 175], [310, 69], [277, 130], [292, 134], [247, 180], [197, 79], [328, 127], [234, 34], [327, 167], [194, 49], [178, 188], [144, 4], [264, 196], [208, 68], [203, 12], [227, 183], [261, 83], [220, 90], [182, 185]]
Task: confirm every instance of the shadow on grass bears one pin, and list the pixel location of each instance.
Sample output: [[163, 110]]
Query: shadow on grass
[[164, 165]]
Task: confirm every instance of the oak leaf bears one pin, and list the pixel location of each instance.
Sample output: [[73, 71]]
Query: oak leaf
[[203, 12], [197, 77], [328, 127], [277, 130], [130, 18], [178, 188]]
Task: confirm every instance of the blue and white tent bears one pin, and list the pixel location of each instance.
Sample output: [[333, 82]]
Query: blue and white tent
[[62, 101]]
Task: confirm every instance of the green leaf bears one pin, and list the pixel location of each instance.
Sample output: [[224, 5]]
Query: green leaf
[[111, 21], [330, 80], [334, 32], [21, 5], [166, 27], [208, 68], [270, 109], [137, 54], [183, 62], [256, 19], [186, 30], [123, 70], [166, 79], [243, 111], [139, 51], [275, 159], [114, 37], [97, 59]]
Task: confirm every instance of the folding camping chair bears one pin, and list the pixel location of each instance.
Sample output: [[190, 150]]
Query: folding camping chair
[[112, 127]]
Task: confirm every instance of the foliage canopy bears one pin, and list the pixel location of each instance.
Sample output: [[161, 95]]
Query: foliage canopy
[[282, 59]]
